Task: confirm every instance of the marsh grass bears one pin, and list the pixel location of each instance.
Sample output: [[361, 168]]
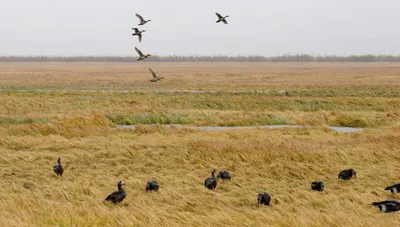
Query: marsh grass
[[18, 121], [282, 162], [36, 127]]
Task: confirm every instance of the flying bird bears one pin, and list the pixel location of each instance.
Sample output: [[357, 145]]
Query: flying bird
[[394, 188], [211, 182], [138, 33], [152, 185], [118, 196], [263, 198], [142, 21], [155, 78], [58, 168], [141, 55], [317, 185], [387, 205], [221, 18], [347, 174]]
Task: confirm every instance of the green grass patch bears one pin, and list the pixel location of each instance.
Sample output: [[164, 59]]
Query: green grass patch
[[148, 119], [21, 121]]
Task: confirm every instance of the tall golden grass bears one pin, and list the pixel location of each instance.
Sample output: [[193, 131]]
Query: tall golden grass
[[38, 127], [203, 76]]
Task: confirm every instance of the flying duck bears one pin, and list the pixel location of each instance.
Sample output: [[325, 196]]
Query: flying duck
[[263, 198], [211, 182], [394, 188], [118, 196], [142, 21], [347, 174], [58, 168], [152, 185], [224, 175], [138, 33], [317, 185], [221, 18], [387, 205], [155, 78], [141, 55]]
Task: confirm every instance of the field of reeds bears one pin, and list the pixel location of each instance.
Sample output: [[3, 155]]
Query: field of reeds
[[71, 110]]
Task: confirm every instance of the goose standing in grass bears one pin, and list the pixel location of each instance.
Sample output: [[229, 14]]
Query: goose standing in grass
[[317, 185], [347, 174], [152, 185], [211, 182], [58, 168], [263, 198], [155, 78], [224, 175], [394, 188], [387, 205], [221, 18], [142, 21], [118, 196], [141, 55], [138, 33]]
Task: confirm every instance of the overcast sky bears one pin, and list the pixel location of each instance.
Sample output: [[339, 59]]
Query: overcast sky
[[187, 27]]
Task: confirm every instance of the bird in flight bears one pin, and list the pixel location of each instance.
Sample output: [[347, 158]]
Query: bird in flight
[[221, 18], [138, 33], [141, 55], [155, 78], [142, 21]]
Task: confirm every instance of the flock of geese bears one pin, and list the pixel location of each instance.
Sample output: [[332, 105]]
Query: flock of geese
[[263, 198], [138, 33]]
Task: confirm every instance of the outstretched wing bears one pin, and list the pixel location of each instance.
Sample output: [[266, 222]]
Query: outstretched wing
[[152, 73], [218, 15], [140, 37], [140, 18], [138, 51], [225, 22], [136, 30]]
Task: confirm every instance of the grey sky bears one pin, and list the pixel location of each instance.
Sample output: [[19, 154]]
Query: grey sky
[[187, 27]]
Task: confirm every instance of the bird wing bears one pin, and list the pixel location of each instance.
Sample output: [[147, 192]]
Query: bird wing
[[136, 30], [138, 51], [112, 195], [384, 202], [225, 22], [218, 15], [140, 37], [152, 73], [140, 18], [392, 186]]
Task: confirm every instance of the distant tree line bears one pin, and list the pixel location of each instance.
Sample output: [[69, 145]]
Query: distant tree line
[[174, 58]]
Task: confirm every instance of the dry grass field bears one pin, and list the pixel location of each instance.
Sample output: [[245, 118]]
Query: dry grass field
[[38, 126]]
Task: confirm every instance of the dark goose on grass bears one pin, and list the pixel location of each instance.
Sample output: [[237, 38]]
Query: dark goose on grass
[[347, 174], [152, 185], [387, 205], [58, 168], [317, 185], [224, 175], [211, 182], [118, 196], [263, 198], [394, 188]]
